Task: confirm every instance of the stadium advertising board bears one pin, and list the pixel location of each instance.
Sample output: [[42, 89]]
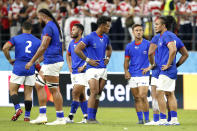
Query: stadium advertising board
[[115, 94]]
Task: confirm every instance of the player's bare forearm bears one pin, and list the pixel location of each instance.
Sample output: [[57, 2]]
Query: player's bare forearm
[[44, 45], [108, 51], [126, 68], [151, 59], [68, 60], [79, 50], [6, 52], [151, 52], [41, 59], [126, 64], [184, 55], [172, 53]]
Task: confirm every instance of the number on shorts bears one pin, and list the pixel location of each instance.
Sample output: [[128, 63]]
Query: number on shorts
[[28, 46]]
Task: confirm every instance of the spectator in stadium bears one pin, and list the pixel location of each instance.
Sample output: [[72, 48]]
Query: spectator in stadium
[[183, 10], [36, 28], [42, 4], [4, 25], [99, 51], [13, 16], [155, 8], [169, 7], [79, 10], [51, 48], [26, 46], [24, 12], [135, 13], [54, 7], [93, 9], [77, 68], [136, 65], [193, 5]]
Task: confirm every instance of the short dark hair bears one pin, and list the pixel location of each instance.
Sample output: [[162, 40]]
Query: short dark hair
[[103, 20], [135, 25], [80, 26], [27, 25]]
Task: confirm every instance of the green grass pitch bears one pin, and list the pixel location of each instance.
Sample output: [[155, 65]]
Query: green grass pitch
[[111, 119]]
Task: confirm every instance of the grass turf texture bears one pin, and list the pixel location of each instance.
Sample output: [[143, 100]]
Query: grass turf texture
[[111, 119]]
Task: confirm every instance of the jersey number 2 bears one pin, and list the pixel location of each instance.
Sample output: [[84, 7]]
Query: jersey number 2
[[28, 46]]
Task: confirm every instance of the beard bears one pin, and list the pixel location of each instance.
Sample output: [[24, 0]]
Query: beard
[[42, 24], [158, 31], [74, 36]]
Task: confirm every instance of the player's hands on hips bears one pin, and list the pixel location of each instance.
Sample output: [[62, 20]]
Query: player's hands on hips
[[165, 67], [80, 69], [127, 75], [70, 70], [93, 62], [145, 70], [11, 61], [28, 65], [106, 61]]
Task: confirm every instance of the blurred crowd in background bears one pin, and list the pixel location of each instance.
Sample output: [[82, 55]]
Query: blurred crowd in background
[[124, 13]]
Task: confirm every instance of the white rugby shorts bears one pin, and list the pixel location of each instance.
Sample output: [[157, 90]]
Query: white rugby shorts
[[165, 83], [96, 73], [135, 82], [154, 81], [23, 80], [52, 69], [79, 79]]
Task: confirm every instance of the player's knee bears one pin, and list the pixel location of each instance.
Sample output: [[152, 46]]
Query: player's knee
[[28, 97], [137, 98], [40, 81], [13, 91], [75, 93], [82, 97]]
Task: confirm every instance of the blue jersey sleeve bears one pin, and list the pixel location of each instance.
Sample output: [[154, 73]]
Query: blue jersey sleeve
[[168, 39], [155, 40], [127, 51], [87, 40], [11, 41], [179, 44], [48, 31]]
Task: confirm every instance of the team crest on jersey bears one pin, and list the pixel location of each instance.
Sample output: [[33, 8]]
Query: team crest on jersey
[[160, 44], [145, 52], [136, 47], [101, 40], [94, 45]]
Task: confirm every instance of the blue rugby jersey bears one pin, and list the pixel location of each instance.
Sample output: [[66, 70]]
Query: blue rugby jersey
[[53, 53], [26, 46], [96, 47], [138, 54], [76, 60]]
